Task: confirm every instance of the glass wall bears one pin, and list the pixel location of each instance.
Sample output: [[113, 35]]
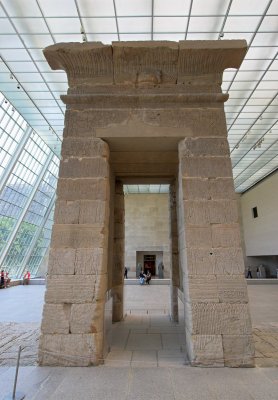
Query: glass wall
[[28, 179]]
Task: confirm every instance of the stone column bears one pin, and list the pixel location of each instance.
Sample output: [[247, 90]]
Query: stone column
[[174, 255], [118, 259], [218, 326], [73, 315]]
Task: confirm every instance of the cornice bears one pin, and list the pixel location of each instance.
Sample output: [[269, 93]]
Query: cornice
[[146, 64]]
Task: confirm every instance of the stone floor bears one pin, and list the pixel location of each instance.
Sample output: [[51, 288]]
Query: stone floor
[[147, 358]]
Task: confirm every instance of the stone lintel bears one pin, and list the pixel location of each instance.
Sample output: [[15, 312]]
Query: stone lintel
[[146, 63], [138, 100]]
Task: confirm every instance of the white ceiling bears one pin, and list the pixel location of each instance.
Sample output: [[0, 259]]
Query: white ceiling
[[27, 26]]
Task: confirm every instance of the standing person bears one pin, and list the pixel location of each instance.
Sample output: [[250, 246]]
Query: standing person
[[26, 278], [259, 275], [125, 273], [249, 273], [7, 280], [148, 277], [2, 279]]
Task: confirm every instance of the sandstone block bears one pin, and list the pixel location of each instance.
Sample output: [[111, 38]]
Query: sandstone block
[[207, 351], [198, 236], [200, 261], [61, 261], [223, 211], [75, 236], [232, 289], [206, 167], [204, 147], [202, 289], [225, 235], [196, 212], [83, 189], [56, 318], [229, 261], [140, 63], [70, 350], [238, 350], [221, 318], [71, 289], [117, 294], [221, 188], [87, 318], [81, 212], [84, 167], [83, 123], [119, 231], [208, 188], [84, 147], [90, 262]]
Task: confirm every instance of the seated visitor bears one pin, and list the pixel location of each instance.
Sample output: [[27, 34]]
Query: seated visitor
[[141, 278], [148, 277], [26, 278]]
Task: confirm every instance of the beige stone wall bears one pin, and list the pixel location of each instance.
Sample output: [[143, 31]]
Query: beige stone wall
[[146, 228]]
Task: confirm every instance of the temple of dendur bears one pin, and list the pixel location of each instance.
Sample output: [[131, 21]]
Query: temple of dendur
[[145, 112]]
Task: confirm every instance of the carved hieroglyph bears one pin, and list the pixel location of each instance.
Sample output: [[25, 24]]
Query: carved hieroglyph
[[146, 112]]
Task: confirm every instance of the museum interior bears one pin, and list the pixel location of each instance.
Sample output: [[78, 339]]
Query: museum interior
[[139, 137]]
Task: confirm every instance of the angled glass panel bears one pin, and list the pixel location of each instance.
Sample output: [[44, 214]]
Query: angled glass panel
[[24, 7], [134, 7], [99, 25], [178, 7], [170, 24], [96, 8], [63, 8]]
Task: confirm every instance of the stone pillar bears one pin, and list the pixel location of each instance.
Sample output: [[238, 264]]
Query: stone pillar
[[73, 315], [174, 255], [218, 326], [118, 259]]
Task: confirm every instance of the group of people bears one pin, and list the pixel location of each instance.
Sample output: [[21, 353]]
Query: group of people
[[145, 278], [4, 280]]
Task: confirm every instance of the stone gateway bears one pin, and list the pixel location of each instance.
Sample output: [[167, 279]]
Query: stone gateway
[[145, 112]]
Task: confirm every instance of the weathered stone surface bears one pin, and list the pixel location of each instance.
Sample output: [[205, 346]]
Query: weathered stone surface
[[61, 261], [201, 212], [75, 236], [87, 318], [73, 289], [138, 63], [81, 212], [84, 167], [225, 235], [198, 236], [83, 189], [220, 318], [90, 262], [202, 289], [238, 350], [228, 261], [71, 350], [232, 289], [206, 167], [83, 123], [208, 188], [201, 147], [200, 261], [207, 350], [56, 318], [118, 299], [84, 147]]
